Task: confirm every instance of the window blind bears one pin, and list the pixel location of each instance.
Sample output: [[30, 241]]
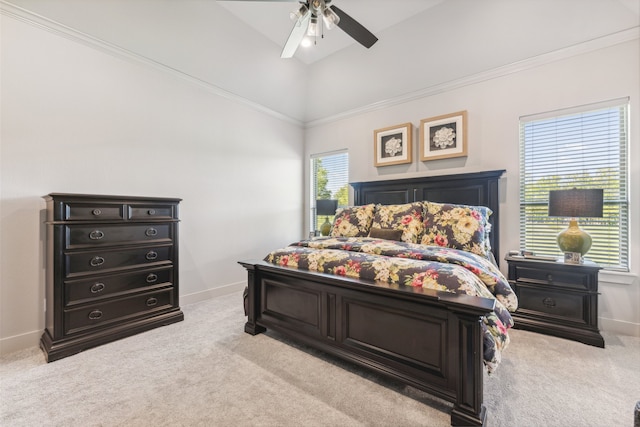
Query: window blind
[[329, 180], [583, 147]]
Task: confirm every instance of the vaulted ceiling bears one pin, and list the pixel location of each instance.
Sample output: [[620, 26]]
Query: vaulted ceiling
[[235, 46]]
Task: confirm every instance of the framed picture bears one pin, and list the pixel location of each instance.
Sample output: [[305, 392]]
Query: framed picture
[[443, 137], [392, 145]]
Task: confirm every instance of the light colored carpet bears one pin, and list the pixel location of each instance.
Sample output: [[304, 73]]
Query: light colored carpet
[[206, 371]]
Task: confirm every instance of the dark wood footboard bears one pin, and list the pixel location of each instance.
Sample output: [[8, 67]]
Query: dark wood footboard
[[427, 339]]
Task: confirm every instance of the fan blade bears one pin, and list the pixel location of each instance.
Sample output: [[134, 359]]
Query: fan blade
[[354, 29], [297, 34]]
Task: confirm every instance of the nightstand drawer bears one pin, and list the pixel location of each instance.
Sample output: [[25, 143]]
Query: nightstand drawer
[[552, 304], [550, 276]]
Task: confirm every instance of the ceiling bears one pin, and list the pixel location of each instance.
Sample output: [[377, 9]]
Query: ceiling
[[271, 18], [233, 47]]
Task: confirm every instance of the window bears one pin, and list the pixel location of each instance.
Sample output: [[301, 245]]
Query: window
[[584, 147], [329, 180]]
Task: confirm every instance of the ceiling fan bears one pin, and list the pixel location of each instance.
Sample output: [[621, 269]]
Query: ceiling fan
[[310, 16]]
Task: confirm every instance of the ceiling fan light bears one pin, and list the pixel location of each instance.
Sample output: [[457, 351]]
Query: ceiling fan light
[[313, 29], [297, 14], [330, 18]]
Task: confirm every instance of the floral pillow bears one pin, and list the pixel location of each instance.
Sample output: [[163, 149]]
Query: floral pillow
[[354, 221], [407, 217], [457, 226]]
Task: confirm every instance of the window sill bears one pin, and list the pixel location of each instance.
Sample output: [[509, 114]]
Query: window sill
[[617, 277]]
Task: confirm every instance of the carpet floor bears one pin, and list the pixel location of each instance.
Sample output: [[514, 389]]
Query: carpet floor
[[206, 371]]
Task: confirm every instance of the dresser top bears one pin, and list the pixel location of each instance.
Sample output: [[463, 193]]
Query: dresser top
[[89, 197]]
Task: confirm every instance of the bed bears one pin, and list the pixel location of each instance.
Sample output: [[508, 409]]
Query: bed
[[428, 326]]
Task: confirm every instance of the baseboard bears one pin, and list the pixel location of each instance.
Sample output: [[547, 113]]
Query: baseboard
[[20, 342], [212, 293], [32, 339], [619, 327]]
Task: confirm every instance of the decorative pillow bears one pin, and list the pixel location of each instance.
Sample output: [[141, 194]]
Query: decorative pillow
[[385, 233], [407, 218], [457, 226], [353, 221]]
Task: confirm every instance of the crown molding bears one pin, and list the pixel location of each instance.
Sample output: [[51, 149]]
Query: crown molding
[[516, 67], [18, 13], [41, 22]]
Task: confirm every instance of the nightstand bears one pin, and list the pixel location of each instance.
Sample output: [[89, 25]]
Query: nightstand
[[556, 298]]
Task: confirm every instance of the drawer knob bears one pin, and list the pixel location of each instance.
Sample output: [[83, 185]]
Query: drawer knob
[[95, 315], [96, 261], [97, 287], [549, 302], [151, 278], [151, 211], [152, 301], [550, 278], [96, 212], [96, 235], [150, 232], [151, 255]]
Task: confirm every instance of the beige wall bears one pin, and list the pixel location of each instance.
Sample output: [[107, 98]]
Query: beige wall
[[494, 102], [77, 119]]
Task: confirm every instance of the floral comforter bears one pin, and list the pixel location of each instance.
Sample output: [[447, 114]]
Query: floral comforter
[[409, 264]]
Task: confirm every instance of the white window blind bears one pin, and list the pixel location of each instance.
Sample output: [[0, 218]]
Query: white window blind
[[329, 180], [584, 147]]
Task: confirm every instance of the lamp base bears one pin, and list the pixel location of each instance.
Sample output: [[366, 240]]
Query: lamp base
[[325, 228], [573, 239]]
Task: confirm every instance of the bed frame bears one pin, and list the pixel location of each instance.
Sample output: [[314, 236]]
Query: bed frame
[[427, 339]]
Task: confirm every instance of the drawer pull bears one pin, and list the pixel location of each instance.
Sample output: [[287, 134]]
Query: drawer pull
[[152, 301], [96, 212], [151, 278], [96, 235], [151, 211], [95, 315], [97, 287], [550, 277], [151, 255], [549, 302], [151, 232], [96, 261]]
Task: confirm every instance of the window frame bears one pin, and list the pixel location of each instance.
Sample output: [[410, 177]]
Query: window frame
[[537, 230]]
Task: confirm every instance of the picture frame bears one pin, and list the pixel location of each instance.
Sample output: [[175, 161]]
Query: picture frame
[[393, 145], [443, 137]]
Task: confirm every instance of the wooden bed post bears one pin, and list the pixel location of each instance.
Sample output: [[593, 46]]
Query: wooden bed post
[[253, 284], [468, 409]]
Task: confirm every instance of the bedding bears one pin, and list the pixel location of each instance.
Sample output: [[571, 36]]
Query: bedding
[[410, 264]]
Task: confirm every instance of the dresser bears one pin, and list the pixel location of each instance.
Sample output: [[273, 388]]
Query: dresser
[[111, 269], [556, 298]]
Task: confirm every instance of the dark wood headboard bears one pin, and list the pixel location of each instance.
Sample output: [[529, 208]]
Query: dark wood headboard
[[476, 189]]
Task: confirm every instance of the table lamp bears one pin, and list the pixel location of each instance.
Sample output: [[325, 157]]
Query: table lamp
[[573, 204], [327, 208]]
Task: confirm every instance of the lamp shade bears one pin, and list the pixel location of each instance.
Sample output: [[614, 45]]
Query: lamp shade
[[326, 207], [576, 203]]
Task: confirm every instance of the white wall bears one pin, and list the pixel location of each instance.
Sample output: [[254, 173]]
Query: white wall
[[77, 119], [494, 106]]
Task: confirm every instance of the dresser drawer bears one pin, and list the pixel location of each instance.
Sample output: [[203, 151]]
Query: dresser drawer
[[152, 211], [110, 311], [78, 211], [566, 278], [91, 235], [95, 261], [553, 304], [79, 291]]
